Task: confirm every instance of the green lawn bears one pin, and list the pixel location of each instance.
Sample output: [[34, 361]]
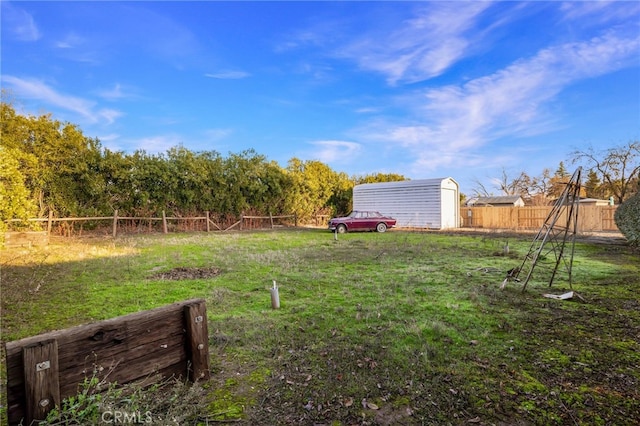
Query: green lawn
[[393, 328]]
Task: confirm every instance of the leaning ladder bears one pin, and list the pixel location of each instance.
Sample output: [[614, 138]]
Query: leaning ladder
[[559, 229]]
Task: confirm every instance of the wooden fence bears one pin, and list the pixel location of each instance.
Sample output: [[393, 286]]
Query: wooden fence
[[208, 224], [590, 218], [146, 346]]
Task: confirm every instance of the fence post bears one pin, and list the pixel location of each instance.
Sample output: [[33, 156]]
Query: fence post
[[42, 390], [115, 223], [295, 220], [164, 223], [197, 340], [271, 219], [208, 221], [49, 222]]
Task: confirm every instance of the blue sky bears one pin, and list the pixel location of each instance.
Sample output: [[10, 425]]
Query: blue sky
[[423, 89]]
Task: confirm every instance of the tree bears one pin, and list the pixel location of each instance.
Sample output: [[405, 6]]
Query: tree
[[627, 218], [15, 198], [506, 185], [558, 181], [379, 177], [592, 185], [617, 167], [313, 183], [57, 162]]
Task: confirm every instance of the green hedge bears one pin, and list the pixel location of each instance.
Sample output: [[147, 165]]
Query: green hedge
[[627, 218]]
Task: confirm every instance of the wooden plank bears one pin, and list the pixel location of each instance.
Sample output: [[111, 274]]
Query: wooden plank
[[145, 345], [197, 340], [42, 389]]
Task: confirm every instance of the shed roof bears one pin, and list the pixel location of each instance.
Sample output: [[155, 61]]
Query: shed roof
[[505, 199], [407, 183]]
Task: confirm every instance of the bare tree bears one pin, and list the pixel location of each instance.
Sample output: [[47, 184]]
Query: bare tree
[[505, 185], [480, 190], [618, 167]]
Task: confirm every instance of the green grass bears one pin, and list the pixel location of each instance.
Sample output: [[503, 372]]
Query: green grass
[[393, 328]]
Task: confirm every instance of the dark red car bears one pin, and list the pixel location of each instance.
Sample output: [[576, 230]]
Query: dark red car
[[361, 221]]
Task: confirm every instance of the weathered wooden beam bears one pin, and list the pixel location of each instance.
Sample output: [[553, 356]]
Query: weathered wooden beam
[[42, 389], [146, 345], [197, 340]]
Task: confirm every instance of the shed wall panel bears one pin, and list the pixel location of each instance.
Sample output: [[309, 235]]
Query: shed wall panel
[[418, 203]]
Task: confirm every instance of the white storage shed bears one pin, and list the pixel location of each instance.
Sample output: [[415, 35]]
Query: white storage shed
[[423, 203]]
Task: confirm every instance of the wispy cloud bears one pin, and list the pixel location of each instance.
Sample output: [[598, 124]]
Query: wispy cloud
[[330, 151], [215, 135], [37, 89], [70, 41], [117, 92], [157, 144], [228, 75], [456, 119], [18, 24], [599, 11], [423, 47]]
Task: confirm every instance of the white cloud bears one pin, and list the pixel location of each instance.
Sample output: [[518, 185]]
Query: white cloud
[[214, 135], [109, 137], [157, 144], [117, 92], [18, 23], [228, 75], [70, 41], [599, 11], [109, 115], [453, 121], [423, 47], [329, 151], [36, 89], [367, 110]]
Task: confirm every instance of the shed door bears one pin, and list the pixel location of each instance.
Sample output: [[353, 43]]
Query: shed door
[[449, 208]]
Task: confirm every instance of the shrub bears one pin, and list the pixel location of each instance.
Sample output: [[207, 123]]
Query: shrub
[[627, 219]]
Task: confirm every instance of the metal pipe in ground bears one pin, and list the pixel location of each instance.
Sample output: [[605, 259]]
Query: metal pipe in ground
[[275, 296]]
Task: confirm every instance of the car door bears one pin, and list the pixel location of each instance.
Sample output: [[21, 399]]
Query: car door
[[369, 221], [359, 221]]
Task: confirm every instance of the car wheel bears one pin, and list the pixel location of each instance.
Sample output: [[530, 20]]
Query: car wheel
[[381, 227], [341, 229]]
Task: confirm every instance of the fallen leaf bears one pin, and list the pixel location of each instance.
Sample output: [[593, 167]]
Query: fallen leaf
[[474, 420], [348, 402], [372, 406]]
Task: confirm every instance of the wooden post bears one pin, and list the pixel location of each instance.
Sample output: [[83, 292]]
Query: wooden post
[[208, 221], [241, 221], [197, 340], [49, 223], [164, 223], [295, 220], [115, 223], [42, 390], [271, 219]]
